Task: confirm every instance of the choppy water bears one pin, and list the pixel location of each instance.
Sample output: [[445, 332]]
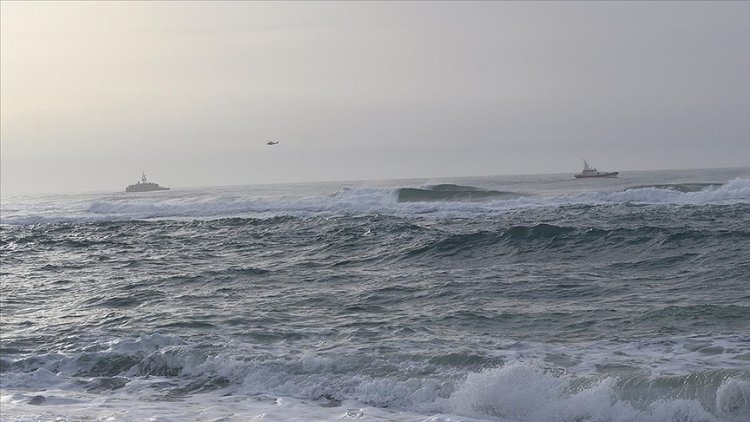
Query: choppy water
[[530, 298]]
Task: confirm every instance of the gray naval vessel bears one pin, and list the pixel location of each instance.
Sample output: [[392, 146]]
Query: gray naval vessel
[[144, 186], [589, 171]]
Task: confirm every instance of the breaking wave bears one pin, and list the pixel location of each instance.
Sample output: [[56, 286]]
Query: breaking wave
[[518, 390], [681, 187], [451, 200], [526, 392], [450, 192]]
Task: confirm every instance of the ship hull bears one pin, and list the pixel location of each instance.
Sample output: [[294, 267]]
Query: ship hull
[[142, 188], [598, 175]]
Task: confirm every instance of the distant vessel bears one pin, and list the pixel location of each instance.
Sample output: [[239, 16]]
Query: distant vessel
[[144, 186], [272, 142], [592, 172]]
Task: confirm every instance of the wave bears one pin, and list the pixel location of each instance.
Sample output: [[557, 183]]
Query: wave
[[737, 190], [475, 386], [516, 236], [450, 192], [527, 392], [441, 200], [544, 238], [680, 187]]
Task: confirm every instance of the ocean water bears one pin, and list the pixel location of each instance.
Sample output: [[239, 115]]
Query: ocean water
[[527, 298]]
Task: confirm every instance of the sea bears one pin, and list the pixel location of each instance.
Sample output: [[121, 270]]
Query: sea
[[507, 298]]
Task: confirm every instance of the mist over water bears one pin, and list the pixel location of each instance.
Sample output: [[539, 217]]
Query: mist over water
[[528, 298]]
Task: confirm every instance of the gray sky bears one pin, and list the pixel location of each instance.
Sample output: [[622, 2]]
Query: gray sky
[[92, 93]]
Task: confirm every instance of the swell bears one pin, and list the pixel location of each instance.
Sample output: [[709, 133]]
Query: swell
[[296, 244], [542, 238], [450, 192]]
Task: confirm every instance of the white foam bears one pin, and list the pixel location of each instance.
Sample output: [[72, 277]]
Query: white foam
[[67, 406], [516, 392], [354, 201], [38, 378], [735, 191], [733, 399], [520, 392], [525, 392], [145, 343]]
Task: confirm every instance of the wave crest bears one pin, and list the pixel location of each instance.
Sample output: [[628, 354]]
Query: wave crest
[[451, 192], [443, 200], [525, 391]]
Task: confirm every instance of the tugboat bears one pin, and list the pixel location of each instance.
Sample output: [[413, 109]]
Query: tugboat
[[144, 186], [592, 172]]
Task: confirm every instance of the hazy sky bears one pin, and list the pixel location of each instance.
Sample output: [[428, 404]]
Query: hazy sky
[[92, 93]]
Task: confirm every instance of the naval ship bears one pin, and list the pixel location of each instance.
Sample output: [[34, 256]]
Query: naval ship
[[144, 186]]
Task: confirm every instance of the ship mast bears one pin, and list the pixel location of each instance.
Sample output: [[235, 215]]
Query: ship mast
[[143, 176]]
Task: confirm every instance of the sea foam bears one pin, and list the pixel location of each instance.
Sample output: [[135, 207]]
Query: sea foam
[[453, 200]]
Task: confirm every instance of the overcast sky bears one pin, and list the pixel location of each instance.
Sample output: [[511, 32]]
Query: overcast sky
[[92, 93]]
